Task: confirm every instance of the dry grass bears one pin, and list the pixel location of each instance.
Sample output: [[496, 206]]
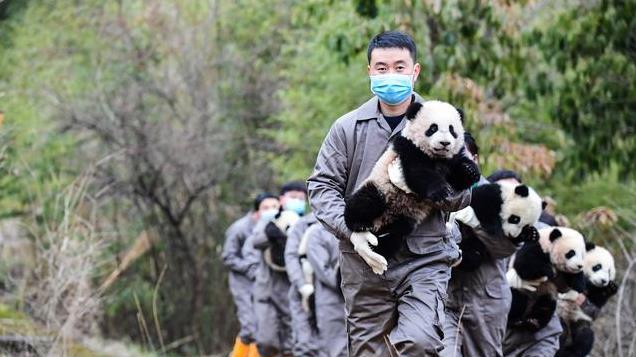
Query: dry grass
[[59, 294]]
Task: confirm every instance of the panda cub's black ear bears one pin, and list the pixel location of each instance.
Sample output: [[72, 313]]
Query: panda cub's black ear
[[589, 246], [412, 110], [522, 190], [461, 114], [544, 204], [555, 234]]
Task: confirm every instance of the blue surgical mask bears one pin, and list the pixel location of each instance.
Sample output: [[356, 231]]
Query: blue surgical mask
[[392, 88], [295, 205], [268, 215]]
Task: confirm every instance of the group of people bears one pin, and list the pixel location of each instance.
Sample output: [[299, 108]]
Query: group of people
[[302, 282], [284, 277]]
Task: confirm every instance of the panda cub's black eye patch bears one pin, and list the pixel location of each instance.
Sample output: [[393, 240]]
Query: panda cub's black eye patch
[[431, 130], [597, 267], [452, 131], [570, 254], [514, 219]]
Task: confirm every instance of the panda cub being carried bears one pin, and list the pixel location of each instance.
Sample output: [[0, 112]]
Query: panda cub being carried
[[576, 316], [501, 214], [557, 258], [424, 165]]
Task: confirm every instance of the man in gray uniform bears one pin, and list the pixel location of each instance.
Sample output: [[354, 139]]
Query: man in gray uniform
[[306, 340], [239, 281], [323, 254], [395, 304], [271, 287]]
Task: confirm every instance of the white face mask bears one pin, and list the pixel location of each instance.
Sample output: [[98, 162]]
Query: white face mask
[[268, 214]]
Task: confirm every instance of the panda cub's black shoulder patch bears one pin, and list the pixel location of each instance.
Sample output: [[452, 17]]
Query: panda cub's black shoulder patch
[[555, 234], [412, 110]]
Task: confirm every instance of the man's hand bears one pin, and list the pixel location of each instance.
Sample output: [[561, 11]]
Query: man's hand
[[516, 282], [362, 242]]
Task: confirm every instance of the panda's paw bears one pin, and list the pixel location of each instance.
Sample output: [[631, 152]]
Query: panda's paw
[[465, 173], [528, 234], [611, 289]]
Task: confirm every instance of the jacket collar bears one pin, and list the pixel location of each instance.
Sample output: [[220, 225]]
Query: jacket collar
[[371, 109]]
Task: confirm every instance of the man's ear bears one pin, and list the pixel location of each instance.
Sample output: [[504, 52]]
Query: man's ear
[[416, 71]]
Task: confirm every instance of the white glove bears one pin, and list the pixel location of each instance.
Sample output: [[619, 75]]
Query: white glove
[[516, 282], [467, 216], [306, 291], [362, 242]]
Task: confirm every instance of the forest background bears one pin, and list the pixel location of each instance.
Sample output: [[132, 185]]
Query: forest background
[[132, 133]]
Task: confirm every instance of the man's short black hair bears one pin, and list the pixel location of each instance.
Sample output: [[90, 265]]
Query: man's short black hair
[[392, 39], [502, 175], [262, 197], [293, 186], [471, 144]]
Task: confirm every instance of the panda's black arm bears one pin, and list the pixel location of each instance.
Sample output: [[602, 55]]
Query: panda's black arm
[[532, 263], [363, 207], [600, 295], [574, 281], [463, 172], [540, 314]]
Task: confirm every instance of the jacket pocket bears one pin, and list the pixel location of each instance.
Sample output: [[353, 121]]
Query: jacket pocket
[[421, 245], [495, 289]]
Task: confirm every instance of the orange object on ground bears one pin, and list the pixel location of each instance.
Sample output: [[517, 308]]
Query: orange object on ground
[[253, 351], [240, 349]]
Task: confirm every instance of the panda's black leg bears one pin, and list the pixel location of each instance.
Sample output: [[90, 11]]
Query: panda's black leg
[[391, 238], [464, 173], [581, 343], [364, 206], [540, 314], [473, 251], [517, 307], [582, 340]]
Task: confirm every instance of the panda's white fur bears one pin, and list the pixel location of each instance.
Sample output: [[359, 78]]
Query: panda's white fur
[[286, 219], [570, 242], [601, 260], [527, 209]]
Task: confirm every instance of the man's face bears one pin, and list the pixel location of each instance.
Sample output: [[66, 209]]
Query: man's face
[[392, 60], [291, 195], [268, 204]]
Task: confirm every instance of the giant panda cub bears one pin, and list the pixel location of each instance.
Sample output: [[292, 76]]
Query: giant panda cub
[[558, 257], [503, 210], [276, 233], [423, 165], [577, 338]]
